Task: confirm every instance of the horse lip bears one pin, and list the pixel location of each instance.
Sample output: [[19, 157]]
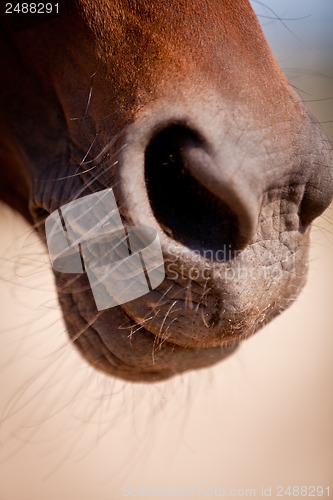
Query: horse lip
[[113, 363]]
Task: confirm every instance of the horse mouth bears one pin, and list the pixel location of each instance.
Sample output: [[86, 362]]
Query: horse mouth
[[118, 345], [184, 324]]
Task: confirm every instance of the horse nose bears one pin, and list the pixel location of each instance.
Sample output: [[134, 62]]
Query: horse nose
[[197, 193], [199, 189]]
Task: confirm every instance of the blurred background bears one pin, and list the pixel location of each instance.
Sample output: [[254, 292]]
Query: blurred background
[[261, 419]]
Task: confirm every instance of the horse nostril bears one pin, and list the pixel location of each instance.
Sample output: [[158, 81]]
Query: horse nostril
[[184, 207]]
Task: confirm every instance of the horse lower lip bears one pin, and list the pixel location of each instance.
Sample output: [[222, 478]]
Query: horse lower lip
[[113, 347]]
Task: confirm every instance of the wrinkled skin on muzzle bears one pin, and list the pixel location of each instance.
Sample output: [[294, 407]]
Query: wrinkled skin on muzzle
[[183, 111]]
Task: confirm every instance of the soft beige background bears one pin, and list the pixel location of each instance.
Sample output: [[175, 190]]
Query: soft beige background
[[262, 418]]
